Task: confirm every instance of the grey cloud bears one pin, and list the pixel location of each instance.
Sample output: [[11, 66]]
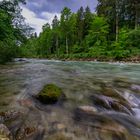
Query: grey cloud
[[55, 6], [39, 12]]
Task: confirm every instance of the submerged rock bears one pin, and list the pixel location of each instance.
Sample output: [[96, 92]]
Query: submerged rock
[[135, 87], [110, 92], [60, 126], [4, 133], [109, 125], [9, 115], [26, 132], [50, 94], [122, 82], [112, 103], [59, 136]]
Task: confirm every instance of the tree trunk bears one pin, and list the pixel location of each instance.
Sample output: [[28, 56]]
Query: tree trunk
[[136, 16], [67, 47], [57, 46], [117, 21]]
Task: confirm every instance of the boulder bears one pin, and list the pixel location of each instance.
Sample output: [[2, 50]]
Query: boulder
[[112, 103], [50, 94]]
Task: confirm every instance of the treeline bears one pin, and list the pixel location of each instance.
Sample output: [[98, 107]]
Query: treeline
[[13, 29], [112, 33]]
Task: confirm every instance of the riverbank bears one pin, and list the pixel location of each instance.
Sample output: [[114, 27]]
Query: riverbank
[[135, 60], [127, 60]]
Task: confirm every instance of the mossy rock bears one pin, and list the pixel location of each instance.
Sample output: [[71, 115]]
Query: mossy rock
[[50, 94]]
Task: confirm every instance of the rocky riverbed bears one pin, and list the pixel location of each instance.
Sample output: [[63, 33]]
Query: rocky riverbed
[[102, 101]]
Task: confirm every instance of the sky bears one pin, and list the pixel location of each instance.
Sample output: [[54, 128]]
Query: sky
[[39, 12]]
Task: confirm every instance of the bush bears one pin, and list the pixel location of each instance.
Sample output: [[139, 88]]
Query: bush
[[7, 53], [133, 38]]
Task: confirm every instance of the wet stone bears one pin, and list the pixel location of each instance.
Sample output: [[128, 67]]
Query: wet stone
[[9, 115], [25, 132], [87, 109], [50, 94], [60, 126], [136, 88], [122, 82], [4, 133]]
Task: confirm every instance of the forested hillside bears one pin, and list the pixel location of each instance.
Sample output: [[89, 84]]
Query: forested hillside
[[112, 32]]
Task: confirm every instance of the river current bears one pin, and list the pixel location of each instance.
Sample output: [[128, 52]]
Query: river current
[[102, 100]]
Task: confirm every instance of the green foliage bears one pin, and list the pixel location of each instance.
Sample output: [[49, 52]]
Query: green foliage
[[98, 32], [13, 29], [118, 52], [133, 38], [7, 52], [87, 35]]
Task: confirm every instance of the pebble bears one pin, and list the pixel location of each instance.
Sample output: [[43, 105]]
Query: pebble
[[89, 109]]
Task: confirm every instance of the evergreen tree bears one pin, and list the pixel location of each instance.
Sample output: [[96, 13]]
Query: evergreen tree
[[56, 34], [80, 25], [65, 26], [88, 17]]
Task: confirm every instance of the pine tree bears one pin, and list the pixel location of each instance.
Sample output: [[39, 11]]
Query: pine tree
[[65, 26], [80, 25], [56, 34], [88, 17]]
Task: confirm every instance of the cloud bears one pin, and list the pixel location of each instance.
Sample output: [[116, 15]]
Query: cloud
[[49, 16], [34, 21], [38, 13], [57, 5]]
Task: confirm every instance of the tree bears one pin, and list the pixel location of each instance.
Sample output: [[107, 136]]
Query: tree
[[44, 45], [127, 12], [111, 9], [12, 27], [56, 33], [80, 25], [135, 10], [65, 26], [88, 17], [98, 32]]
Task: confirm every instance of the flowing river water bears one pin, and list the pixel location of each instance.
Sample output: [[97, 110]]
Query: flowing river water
[[102, 100]]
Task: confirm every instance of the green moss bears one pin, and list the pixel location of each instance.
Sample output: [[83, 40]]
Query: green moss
[[50, 94]]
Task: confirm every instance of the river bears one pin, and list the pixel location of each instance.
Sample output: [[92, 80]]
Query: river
[[102, 100]]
